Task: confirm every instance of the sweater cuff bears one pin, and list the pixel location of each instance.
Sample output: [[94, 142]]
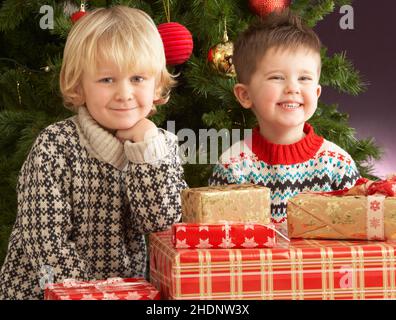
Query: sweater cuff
[[148, 151]]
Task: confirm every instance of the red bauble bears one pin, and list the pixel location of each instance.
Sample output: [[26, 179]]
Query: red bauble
[[264, 7], [178, 42], [78, 14]]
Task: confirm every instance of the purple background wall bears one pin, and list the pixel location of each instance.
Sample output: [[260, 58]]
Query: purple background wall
[[371, 47]]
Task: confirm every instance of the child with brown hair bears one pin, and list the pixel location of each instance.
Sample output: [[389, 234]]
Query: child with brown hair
[[278, 65]]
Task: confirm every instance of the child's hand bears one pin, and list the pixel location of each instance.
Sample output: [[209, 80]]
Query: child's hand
[[142, 130]]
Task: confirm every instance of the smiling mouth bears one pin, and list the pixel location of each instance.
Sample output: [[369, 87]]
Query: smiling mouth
[[126, 109], [290, 105]]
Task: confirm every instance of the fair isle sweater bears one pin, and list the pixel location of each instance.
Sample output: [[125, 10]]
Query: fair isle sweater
[[85, 202], [311, 164]]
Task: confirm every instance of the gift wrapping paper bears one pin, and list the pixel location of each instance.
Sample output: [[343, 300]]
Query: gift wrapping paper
[[304, 269], [224, 235], [322, 216], [237, 203], [110, 289]]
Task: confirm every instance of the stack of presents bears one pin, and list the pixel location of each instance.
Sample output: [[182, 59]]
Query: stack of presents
[[338, 245]]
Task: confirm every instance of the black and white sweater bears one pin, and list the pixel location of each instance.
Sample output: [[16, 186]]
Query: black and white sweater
[[85, 202]]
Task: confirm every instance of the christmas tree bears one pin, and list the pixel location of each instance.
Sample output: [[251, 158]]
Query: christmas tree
[[32, 37]]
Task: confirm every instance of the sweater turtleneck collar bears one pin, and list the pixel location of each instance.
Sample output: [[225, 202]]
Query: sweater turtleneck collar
[[286, 154], [101, 143]]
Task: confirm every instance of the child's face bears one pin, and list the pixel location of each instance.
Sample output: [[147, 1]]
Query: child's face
[[284, 90], [115, 99]]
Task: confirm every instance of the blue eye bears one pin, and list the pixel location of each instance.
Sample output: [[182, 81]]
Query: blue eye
[[106, 80], [137, 79]]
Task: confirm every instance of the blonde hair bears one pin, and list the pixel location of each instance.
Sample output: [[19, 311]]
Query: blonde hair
[[125, 36], [279, 30]]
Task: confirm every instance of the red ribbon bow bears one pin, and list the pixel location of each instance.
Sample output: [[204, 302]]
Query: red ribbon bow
[[366, 187]]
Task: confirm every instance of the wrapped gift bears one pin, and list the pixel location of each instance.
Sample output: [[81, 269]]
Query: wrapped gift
[[222, 235], [319, 216], [367, 211], [305, 269], [110, 289], [237, 203]]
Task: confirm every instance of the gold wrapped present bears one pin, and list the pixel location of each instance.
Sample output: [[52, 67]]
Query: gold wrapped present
[[237, 203], [324, 216]]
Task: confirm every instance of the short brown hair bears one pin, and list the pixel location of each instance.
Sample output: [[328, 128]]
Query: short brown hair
[[283, 30]]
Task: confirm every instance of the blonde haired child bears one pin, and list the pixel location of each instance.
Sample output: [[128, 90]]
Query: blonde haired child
[[95, 184]]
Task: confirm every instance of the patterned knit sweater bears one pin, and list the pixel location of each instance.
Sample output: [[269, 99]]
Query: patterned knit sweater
[[311, 164], [85, 201]]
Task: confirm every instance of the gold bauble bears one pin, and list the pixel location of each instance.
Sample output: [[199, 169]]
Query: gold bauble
[[220, 58]]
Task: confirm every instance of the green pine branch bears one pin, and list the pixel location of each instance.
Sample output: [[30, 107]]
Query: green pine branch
[[12, 13], [62, 24], [313, 11], [339, 73], [215, 85], [138, 4], [317, 12]]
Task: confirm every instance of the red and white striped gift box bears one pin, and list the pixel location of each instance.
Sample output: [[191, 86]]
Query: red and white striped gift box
[[305, 269]]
